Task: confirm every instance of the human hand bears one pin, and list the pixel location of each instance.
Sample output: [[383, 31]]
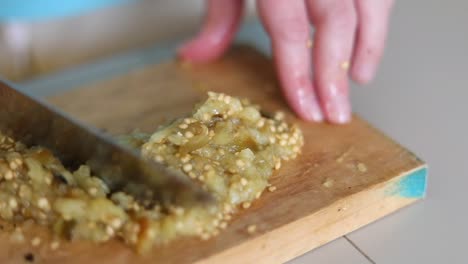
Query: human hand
[[348, 34]]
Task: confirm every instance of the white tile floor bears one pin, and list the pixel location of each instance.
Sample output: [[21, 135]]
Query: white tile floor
[[419, 98], [335, 252]]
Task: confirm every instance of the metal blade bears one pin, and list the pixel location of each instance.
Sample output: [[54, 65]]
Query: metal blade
[[36, 123]]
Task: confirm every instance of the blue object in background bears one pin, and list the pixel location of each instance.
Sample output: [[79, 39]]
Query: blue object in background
[[33, 10]]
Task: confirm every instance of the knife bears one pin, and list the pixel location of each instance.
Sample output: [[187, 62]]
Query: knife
[[36, 123]]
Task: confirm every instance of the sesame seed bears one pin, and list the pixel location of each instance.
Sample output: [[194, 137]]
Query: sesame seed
[[251, 229], [43, 203], [13, 165], [109, 230], [223, 225], [345, 65], [227, 99], [272, 128], [192, 175], [272, 139], [272, 188], [205, 236], [258, 194], [215, 222], [243, 182], [188, 134], [8, 175], [220, 216], [207, 167], [179, 211], [17, 235], [296, 149], [18, 162], [201, 178], [246, 205], [151, 233], [240, 163], [278, 165], [362, 167], [279, 116], [13, 203], [183, 126], [282, 142], [227, 217], [261, 123], [227, 208], [42, 216], [92, 191], [328, 183], [211, 133], [48, 180], [116, 223], [158, 158], [36, 241], [187, 167], [206, 117], [185, 158], [54, 245]]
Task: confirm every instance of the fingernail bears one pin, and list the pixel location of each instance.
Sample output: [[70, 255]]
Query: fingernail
[[315, 113], [337, 105], [309, 106]]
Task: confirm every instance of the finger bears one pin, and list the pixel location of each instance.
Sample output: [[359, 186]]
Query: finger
[[287, 24], [221, 23], [372, 30], [335, 23]]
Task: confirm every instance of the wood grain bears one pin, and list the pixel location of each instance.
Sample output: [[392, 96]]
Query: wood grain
[[300, 215]]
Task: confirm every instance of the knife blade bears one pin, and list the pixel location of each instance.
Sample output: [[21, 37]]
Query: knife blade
[[36, 123]]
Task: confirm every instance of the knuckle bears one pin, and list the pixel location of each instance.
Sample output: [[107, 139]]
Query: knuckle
[[294, 31]]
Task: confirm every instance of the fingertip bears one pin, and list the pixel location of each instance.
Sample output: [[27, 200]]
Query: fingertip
[[338, 116], [335, 101], [363, 73], [309, 111], [196, 51], [301, 97], [222, 20]]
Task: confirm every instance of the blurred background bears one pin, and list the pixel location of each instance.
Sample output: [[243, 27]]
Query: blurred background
[[418, 98], [42, 36]]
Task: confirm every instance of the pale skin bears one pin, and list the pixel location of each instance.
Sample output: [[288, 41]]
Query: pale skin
[[347, 44]]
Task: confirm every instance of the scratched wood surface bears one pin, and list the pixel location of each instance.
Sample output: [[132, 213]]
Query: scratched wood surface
[[365, 168]]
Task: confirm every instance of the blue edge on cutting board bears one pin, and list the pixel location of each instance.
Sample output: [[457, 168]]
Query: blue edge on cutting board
[[411, 186]]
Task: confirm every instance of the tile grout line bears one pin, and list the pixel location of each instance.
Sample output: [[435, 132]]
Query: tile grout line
[[360, 250]]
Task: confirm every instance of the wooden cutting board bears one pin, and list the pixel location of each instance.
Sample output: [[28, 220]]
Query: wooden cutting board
[[347, 176]]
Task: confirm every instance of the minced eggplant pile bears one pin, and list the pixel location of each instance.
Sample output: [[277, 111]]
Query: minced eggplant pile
[[226, 145]]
